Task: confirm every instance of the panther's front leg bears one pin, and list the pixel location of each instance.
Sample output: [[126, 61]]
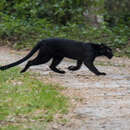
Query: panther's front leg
[[74, 68], [92, 68]]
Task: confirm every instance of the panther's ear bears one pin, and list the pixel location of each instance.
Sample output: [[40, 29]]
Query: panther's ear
[[102, 45]]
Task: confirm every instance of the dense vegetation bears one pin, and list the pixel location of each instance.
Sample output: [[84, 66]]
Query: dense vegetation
[[23, 23]]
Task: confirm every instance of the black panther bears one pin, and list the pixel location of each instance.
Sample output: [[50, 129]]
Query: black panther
[[56, 49]]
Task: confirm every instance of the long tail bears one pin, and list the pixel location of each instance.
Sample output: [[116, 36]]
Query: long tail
[[23, 59]]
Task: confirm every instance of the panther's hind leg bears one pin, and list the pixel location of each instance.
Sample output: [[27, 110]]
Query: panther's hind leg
[[37, 61], [55, 62]]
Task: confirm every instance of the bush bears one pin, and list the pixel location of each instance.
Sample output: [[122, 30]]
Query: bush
[[23, 23]]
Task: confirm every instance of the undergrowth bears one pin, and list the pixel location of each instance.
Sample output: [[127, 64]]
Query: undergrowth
[[23, 23]]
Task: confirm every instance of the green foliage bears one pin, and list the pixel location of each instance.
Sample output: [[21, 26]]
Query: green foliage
[[24, 99], [117, 12], [23, 23], [54, 10]]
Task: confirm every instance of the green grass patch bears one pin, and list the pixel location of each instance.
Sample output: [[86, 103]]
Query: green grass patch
[[26, 102]]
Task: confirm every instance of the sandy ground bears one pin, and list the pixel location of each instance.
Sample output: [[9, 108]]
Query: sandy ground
[[98, 102]]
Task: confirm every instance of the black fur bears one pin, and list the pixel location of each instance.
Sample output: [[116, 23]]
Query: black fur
[[57, 49]]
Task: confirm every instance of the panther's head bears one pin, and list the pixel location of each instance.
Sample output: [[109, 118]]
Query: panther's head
[[106, 51]]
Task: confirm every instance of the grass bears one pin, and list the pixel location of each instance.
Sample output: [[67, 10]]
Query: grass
[[27, 103]]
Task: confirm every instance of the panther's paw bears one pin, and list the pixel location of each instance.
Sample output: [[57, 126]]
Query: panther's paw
[[101, 73]]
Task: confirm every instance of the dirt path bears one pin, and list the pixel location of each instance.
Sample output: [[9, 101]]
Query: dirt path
[[98, 103]]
